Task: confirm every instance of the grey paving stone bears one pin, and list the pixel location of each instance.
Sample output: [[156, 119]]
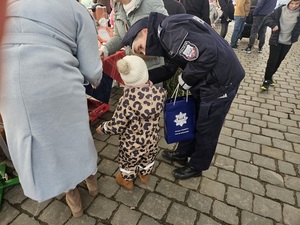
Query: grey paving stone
[[292, 182], [192, 183], [15, 195], [211, 173], [239, 198], [8, 213], [267, 208], [113, 139], [99, 145], [33, 207], [288, 122], [264, 162], [226, 131], [107, 167], [271, 177], [258, 122], [229, 178], [130, 198], [243, 135], [294, 130], [223, 139], [223, 150], [85, 198], [251, 128], [240, 155], [292, 157], [212, 188], [110, 151], [261, 139], [102, 208], [276, 126], [171, 190], [248, 218], [146, 220], [155, 205], [287, 168], [298, 198], [163, 144], [150, 185], [187, 215], [226, 213], [233, 124], [252, 185], [296, 147], [255, 116], [83, 220], [199, 202], [291, 215], [281, 194], [55, 213], [125, 216], [272, 152], [272, 133], [248, 146], [25, 220], [282, 144], [165, 170], [224, 162], [246, 169], [206, 220], [107, 186]]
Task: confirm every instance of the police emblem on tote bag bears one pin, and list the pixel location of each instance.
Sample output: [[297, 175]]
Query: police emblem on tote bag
[[179, 118]]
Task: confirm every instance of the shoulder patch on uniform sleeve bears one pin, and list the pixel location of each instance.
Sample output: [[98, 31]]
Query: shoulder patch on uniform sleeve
[[189, 51]]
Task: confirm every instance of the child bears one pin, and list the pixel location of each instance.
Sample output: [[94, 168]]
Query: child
[[136, 120]]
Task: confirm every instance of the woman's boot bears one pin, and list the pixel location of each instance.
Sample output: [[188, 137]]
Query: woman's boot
[[92, 185], [74, 202], [143, 178], [127, 184]]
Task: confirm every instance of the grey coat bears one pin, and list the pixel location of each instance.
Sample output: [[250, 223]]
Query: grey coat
[[123, 22], [50, 49]]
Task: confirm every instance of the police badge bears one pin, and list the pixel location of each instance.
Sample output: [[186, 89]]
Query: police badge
[[189, 51]]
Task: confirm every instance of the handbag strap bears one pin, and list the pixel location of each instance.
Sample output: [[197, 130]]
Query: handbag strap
[[175, 94]]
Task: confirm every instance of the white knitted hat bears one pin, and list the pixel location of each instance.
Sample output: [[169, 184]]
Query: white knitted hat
[[133, 70]]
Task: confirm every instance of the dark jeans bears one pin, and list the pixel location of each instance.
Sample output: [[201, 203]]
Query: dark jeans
[[209, 122], [257, 28], [224, 29], [239, 23], [163, 73], [276, 56]]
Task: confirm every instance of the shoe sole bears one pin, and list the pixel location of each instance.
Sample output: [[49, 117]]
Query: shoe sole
[[187, 177], [181, 162]]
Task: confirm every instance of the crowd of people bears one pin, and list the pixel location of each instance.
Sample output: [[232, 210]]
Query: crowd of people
[[48, 57]]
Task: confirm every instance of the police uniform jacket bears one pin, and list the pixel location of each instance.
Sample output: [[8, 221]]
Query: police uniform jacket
[[209, 64]]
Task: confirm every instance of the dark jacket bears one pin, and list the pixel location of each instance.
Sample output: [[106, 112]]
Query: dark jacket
[[273, 20], [174, 7], [209, 64], [264, 7], [227, 9], [198, 8]]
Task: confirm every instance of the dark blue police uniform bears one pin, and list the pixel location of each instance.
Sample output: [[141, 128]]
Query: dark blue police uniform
[[210, 68]]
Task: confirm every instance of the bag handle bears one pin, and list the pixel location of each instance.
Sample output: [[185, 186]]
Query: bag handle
[[175, 94]]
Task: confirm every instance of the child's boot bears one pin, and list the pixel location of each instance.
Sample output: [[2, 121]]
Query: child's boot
[[92, 185], [143, 178], [127, 184], [74, 202]]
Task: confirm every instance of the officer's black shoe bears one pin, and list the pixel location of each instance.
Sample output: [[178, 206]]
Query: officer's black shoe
[[175, 156], [186, 173]]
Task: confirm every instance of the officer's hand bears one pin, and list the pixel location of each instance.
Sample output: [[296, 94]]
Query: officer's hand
[[103, 52], [182, 84]]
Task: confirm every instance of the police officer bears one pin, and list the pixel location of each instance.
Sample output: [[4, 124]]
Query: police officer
[[211, 71]]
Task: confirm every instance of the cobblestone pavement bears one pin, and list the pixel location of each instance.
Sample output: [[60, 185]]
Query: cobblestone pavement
[[253, 180]]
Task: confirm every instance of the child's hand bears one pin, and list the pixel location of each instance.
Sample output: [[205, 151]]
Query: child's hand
[[99, 130]]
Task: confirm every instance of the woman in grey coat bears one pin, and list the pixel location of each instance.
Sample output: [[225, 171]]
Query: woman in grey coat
[[50, 48]]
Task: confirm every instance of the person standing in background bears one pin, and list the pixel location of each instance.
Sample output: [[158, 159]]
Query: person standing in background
[[227, 15], [174, 7], [285, 25], [50, 50], [199, 8], [262, 9], [242, 10]]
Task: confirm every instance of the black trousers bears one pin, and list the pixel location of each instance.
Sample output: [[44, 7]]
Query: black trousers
[[276, 56], [209, 122], [224, 29]]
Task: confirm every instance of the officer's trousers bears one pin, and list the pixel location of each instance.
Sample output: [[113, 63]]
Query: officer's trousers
[[209, 122]]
